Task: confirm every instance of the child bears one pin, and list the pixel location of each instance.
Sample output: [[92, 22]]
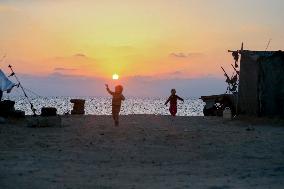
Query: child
[[117, 97], [173, 102]]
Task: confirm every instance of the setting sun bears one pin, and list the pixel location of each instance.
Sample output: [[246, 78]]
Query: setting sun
[[115, 76]]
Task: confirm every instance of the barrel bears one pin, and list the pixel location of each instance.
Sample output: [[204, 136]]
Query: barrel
[[79, 106]]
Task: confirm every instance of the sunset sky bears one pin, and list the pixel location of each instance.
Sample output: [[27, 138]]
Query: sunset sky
[[161, 39]]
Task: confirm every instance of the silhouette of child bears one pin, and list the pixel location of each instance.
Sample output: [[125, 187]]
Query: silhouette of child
[[117, 97], [173, 102]]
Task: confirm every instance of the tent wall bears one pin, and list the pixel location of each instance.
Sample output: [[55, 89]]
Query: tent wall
[[248, 90], [261, 86], [271, 85]]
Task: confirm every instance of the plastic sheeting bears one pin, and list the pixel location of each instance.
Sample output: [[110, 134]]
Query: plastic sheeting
[[5, 83]]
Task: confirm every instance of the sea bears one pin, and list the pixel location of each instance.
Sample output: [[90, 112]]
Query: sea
[[102, 105]]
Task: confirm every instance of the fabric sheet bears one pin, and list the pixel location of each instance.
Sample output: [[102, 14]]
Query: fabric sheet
[[5, 83]]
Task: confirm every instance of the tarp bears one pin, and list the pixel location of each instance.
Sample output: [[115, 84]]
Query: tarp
[[5, 83], [261, 85]]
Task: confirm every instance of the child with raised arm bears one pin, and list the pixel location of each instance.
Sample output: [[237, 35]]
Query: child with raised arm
[[117, 97], [173, 102]]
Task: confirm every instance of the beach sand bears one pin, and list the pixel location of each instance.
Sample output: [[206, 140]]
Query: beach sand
[[145, 151]]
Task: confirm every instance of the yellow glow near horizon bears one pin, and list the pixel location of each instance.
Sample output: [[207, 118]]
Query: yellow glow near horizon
[[115, 76]]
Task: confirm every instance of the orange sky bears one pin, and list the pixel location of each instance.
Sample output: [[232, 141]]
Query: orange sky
[[185, 38]]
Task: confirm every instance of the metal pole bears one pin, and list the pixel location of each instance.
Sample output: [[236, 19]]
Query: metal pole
[[14, 74]]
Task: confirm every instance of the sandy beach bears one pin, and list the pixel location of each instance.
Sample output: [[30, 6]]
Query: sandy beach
[[146, 151]]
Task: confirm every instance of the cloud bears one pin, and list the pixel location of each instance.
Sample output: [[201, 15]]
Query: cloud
[[81, 55], [64, 69], [176, 73], [77, 64], [77, 55], [184, 55], [179, 55], [172, 75]]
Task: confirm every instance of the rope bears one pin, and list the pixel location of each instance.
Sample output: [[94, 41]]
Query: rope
[[34, 93], [20, 85]]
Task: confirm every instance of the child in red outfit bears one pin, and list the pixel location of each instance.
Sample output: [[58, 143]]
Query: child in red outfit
[[173, 102], [117, 97]]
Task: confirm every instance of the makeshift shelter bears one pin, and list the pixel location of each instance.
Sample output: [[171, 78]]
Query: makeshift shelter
[[5, 84], [261, 84], [7, 106]]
